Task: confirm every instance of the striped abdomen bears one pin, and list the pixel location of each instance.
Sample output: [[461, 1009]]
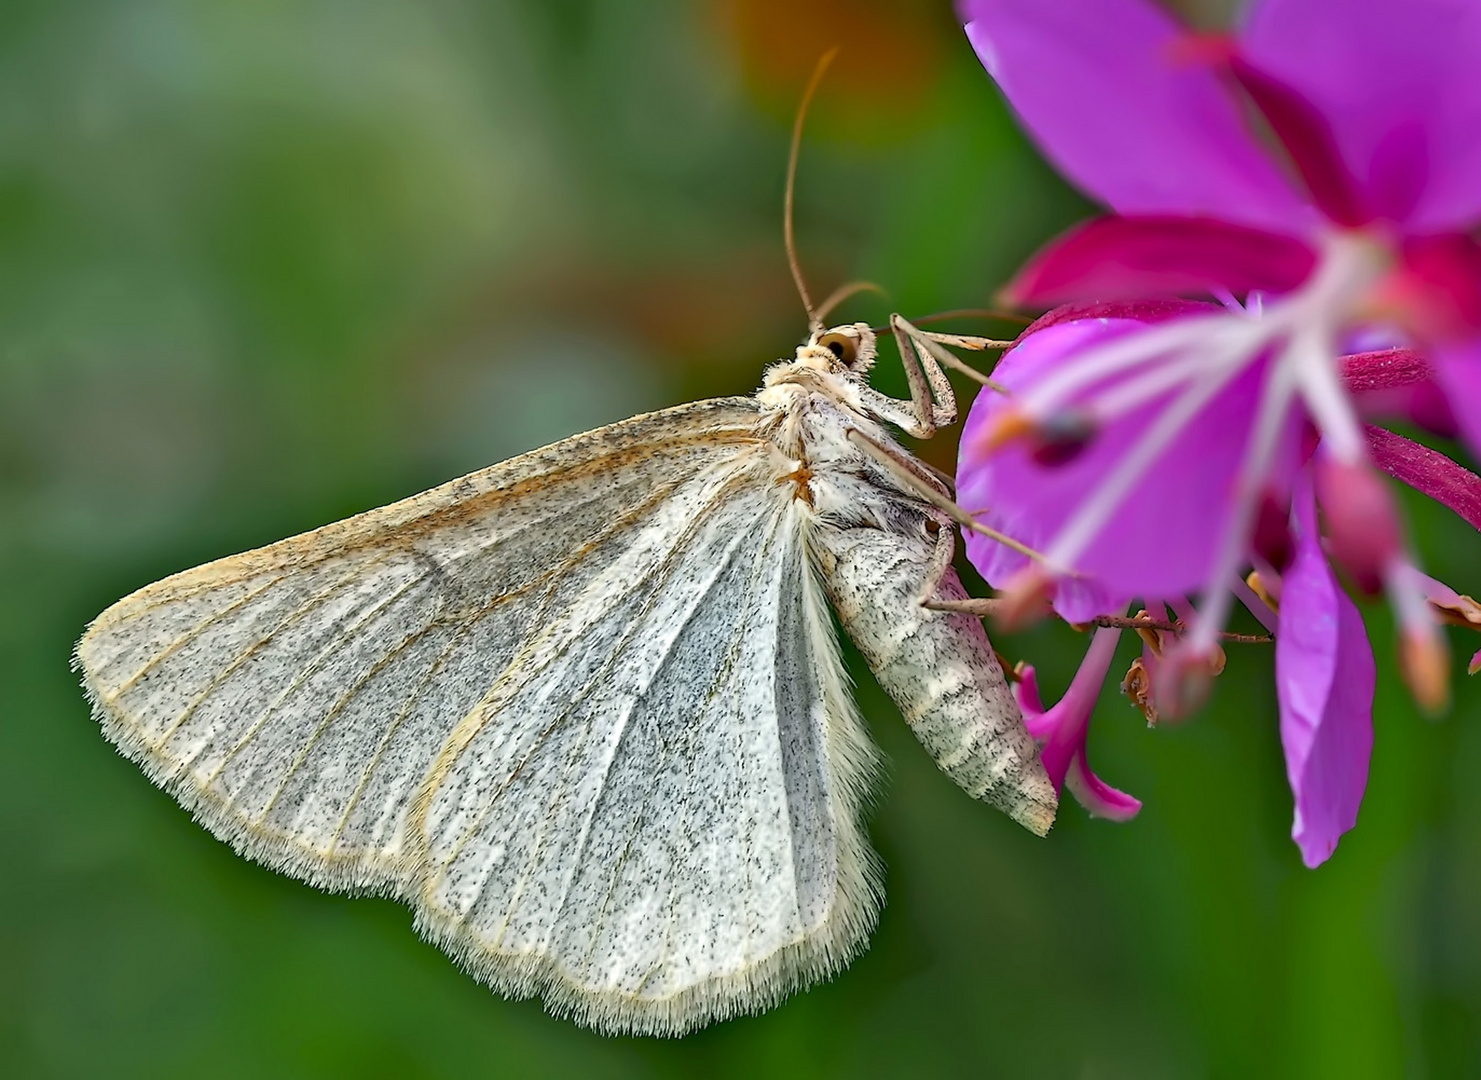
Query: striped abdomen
[[938, 667]]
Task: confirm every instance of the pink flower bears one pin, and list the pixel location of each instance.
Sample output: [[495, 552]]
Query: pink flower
[[1184, 433], [1161, 531]]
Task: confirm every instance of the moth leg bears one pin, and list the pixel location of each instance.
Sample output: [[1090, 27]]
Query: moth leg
[[960, 341], [912, 473], [923, 355], [938, 567], [931, 342], [918, 419], [981, 606], [941, 476], [913, 478], [930, 390], [932, 403]]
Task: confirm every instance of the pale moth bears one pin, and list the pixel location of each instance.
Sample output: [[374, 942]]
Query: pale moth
[[584, 710]]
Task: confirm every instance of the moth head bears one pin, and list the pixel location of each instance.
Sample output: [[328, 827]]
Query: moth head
[[847, 349]]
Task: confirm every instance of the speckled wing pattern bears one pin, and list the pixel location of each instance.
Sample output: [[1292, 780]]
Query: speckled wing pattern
[[582, 710]]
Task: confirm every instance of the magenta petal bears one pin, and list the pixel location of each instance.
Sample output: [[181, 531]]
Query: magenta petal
[[1118, 258], [1458, 368], [1162, 539], [1324, 679], [1062, 729], [1309, 142], [1059, 748], [1439, 283], [1101, 86], [1099, 798], [1026, 693], [1154, 310], [1397, 82]]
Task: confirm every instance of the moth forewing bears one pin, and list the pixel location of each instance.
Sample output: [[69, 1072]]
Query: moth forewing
[[295, 696]]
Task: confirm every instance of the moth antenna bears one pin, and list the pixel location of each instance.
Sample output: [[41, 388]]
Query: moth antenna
[[814, 320], [842, 293]]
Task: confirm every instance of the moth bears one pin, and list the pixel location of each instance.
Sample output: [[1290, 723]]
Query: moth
[[584, 711]]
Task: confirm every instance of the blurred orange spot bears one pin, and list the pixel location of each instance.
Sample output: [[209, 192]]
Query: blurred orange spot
[[890, 50], [1008, 426], [1424, 661]]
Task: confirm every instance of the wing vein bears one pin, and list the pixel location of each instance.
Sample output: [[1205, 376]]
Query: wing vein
[[654, 582], [616, 525], [315, 665], [247, 653], [344, 699], [626, 716], [184, 639], [662, 573]]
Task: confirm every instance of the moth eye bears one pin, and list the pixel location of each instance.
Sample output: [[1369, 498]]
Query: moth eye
[[840, 345]]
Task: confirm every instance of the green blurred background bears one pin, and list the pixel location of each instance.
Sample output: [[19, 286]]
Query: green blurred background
[[263, 264]]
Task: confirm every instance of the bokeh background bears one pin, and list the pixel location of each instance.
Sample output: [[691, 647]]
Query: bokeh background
[[265, 264]]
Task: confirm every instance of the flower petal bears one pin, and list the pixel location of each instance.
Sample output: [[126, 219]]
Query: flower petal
[[1162, 539], [1026, 693], [1101, 87], [1309, 143], [1154, 310], [1458, 368], [1396, 80], [1099, 798], [1324, 679], [1438, 287], [1062, 730], [1120, 258]]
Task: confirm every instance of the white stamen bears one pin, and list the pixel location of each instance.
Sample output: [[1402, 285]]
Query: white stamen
[[1123, 354], [1234, 542], [1203, 353], [1092, 514], [1310, 356], [1156, 380]]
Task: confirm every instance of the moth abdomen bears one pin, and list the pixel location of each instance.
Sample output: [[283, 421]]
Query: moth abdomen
[[938, 667]]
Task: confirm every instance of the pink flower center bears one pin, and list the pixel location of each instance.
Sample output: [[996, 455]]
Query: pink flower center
[[1188, 362]]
